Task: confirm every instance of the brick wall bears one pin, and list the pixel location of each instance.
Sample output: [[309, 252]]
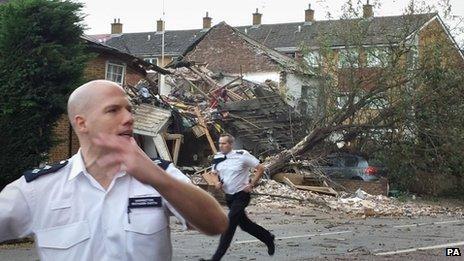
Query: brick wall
[[435, 35], [95, 69], [61, 136], [224, 51]]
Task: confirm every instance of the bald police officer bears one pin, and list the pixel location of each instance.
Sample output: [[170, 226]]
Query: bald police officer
[[232, 168], [110, 201]]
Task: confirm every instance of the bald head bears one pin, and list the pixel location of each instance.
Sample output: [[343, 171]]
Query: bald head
[[85, 97]]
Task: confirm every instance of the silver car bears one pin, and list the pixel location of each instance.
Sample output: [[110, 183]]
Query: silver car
[[348, 166]]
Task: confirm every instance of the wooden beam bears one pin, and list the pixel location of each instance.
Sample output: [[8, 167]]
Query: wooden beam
[[195, 87], [202, 122], [162, 147], [177, 138], [322, 190], [175, 153]]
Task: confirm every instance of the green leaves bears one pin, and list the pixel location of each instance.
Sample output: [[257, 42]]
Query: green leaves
[[42, 61]]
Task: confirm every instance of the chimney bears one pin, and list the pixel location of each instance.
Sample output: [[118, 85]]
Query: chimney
[[257, 18], [207, 21], [368, 10], [116, 27], [160, 26], [309, 14]]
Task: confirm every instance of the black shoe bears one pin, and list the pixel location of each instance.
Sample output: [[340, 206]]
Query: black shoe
[[271, 246]]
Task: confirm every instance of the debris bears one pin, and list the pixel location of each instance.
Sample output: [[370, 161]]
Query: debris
[[380, 205], [296, 181], [205, 128], [323, 190], [361, 194], [177, 138], [210, 178]]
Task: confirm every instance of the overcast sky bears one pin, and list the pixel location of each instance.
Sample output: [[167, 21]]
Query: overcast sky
[[141, 15]]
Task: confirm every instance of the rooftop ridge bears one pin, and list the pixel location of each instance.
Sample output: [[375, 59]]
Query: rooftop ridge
[[286, 23]]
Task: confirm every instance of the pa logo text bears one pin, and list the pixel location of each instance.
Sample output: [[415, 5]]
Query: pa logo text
[[453, 251]]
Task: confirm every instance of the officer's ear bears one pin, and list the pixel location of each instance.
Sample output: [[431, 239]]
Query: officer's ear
[[80, 123]]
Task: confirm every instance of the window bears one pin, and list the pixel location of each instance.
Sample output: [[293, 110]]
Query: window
[[151, 60], [377, 57], [343, 98], [348, 58], [312, 59], [115, 72]]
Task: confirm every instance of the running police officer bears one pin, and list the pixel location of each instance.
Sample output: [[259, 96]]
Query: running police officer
[[110, 201], [232, 168]]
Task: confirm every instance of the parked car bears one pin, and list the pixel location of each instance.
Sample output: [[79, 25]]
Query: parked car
[[349, 166]]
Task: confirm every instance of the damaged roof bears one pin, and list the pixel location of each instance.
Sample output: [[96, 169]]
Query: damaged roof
[[282, 60], [150, 120], [265, 124], [283, 36]]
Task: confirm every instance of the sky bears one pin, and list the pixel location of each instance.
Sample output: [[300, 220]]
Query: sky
[[141, 15]]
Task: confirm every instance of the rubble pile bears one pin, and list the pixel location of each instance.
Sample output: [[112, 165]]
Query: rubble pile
[[277, 195], [363, 204], [273, 194]]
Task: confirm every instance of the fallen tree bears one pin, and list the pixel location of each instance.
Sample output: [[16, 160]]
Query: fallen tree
[[404, 99]]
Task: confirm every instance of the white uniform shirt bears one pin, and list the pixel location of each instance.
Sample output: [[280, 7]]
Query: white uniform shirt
[[235, 169], [73, 218]]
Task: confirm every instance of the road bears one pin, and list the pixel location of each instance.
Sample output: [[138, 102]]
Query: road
[[314, 234]]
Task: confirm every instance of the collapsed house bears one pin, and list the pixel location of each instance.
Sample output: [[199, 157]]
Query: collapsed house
[[202, 108]]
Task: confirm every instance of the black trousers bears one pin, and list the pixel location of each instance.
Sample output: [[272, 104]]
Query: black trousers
[[237, 217]]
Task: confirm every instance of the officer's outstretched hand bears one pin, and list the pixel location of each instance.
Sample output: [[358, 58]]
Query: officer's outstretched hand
[[121, 153]]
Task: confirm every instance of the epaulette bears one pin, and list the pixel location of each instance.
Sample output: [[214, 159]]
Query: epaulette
[[218, 159], [164, 164], [31, 175], [241, 152]]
